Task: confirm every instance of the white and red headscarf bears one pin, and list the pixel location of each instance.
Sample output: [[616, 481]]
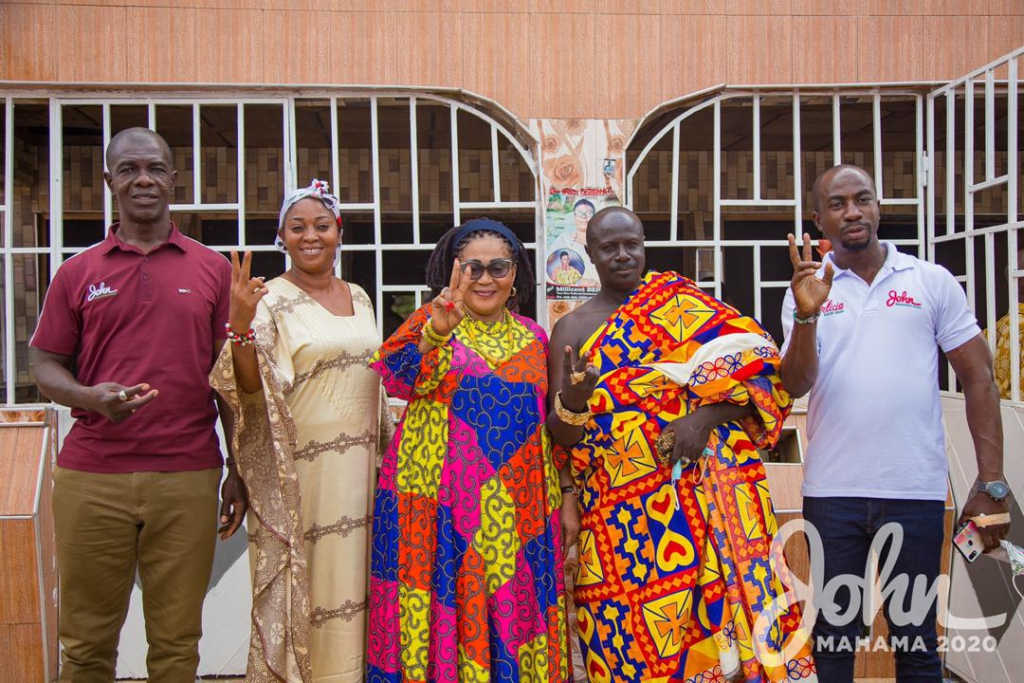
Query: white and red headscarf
[[317, 189]]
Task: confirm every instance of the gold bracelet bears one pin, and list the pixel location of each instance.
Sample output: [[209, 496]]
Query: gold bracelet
[[569, 417], [433, 337]]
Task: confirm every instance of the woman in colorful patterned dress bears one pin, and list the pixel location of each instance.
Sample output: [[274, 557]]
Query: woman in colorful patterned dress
[[466, 573], [308, 418]]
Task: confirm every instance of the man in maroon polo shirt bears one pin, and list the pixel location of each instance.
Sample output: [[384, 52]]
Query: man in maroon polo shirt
[[127, 337]]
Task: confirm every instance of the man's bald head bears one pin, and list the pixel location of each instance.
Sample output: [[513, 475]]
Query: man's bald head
[[825, 178], [612, 217], [136, 137]]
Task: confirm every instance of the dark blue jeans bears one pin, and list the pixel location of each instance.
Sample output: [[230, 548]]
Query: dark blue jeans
[[847, 527]]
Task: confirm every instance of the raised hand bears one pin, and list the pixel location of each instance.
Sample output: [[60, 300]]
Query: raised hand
[[809, 291], [575, 394], [446, 310], [246, 293]]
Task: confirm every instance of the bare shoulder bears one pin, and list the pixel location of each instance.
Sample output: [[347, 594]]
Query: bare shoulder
[[576, 326]]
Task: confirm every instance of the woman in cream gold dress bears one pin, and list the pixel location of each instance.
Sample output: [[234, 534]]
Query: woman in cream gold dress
[[308, 419]]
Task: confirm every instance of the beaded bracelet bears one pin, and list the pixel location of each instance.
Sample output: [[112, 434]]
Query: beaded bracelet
[[240, 339], [805, 321], [431, 335], [569, 417]]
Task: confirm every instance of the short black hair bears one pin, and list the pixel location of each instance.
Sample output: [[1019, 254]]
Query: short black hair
[[816, 188], [439, 267]]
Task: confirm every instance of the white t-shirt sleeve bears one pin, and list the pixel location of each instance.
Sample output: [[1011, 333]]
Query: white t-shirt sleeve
[[788, 306], [955, 323]]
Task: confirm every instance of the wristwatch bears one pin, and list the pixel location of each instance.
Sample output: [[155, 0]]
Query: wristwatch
[[997, 490]]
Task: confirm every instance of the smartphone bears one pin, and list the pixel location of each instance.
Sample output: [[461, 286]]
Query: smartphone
[[968, 541]]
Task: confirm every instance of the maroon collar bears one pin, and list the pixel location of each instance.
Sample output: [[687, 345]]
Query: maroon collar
[[112, 241]]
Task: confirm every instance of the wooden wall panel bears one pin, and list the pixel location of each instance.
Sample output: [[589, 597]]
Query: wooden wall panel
[[28, 48], [767, 42], [930, 8], [174, 60], [827, 7], [1004, 35], [229, 46], [905, 48], [16, 663], [1004, 7], [19, 576], [19, 465], [295, 61], [694, 53], [811, 64], [92, 44], [223, 4], [496, 47], [352, 59], [604, 59]]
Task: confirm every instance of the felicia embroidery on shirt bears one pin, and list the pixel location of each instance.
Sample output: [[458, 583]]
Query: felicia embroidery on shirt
[[832, 308], [903, 299], [99, 292]]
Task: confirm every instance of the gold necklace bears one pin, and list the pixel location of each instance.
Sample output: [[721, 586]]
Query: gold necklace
[[492, 341]]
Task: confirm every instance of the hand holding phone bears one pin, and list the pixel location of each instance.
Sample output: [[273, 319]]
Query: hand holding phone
[[968, 541]]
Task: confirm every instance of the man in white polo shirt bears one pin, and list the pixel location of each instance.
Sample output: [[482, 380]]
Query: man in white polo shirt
[[863, 332]]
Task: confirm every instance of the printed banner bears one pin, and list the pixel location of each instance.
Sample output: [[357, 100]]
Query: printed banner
[[570, 276]]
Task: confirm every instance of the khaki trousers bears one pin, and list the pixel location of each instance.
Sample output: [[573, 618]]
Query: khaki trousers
[[107, 525]]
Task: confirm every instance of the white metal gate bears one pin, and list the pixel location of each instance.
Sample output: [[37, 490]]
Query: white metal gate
[[757, 152], [973, 220], [406, 164], [965, 174]]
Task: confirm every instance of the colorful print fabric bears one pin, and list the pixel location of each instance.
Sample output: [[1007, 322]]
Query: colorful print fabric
[[689, 590], [1001, 360], [466, 570]]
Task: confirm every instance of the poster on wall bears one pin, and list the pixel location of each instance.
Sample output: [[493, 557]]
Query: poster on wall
[[570, 276]]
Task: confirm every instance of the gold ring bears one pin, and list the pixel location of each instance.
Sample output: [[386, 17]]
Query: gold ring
[[664, 444], [578, 377]]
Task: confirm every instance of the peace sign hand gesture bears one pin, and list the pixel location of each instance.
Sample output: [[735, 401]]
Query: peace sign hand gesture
[[446, 309], [246, 293], [809, 291]]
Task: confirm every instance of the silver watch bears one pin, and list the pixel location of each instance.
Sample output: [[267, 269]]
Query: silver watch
[[997, 490]]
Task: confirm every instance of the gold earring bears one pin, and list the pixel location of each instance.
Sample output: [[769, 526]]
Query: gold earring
[[513, 292]]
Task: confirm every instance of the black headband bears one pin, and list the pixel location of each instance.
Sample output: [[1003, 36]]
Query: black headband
[[488, 225]]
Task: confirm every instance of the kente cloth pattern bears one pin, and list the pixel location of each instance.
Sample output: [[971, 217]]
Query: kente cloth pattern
[[1001, 360], [688, 591], [466, 572], [306, 448]]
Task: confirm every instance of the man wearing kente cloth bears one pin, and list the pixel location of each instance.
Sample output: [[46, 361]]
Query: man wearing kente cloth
[[663, 413]]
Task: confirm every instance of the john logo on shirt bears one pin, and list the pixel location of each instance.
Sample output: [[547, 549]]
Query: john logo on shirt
[[903, 299], [98, 292], [832, 308]]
